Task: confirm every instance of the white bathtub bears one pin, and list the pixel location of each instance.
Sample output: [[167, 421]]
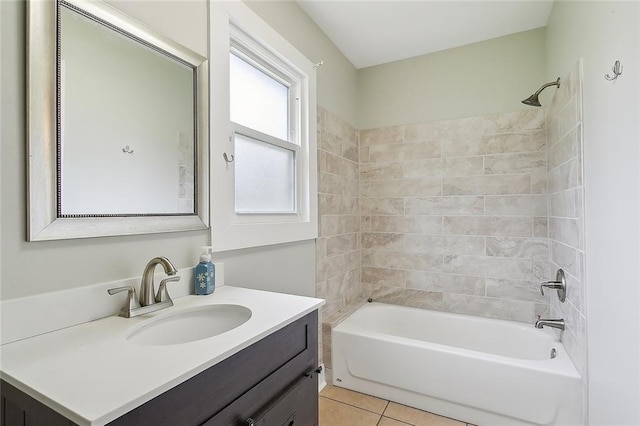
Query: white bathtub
[[482, 371]]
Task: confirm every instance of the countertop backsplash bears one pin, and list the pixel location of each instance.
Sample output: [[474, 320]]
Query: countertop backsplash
[[30, 316]]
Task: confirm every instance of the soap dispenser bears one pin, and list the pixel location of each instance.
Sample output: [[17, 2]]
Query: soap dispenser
[[205, 274]]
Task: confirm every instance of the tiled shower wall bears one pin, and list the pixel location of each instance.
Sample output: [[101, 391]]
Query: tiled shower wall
[[566, 213], [454, 215], [338, 245]]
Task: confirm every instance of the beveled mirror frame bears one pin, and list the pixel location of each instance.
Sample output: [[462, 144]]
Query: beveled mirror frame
[[42, 198]]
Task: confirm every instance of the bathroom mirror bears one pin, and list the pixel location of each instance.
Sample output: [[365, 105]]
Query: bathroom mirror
[[117, 125]]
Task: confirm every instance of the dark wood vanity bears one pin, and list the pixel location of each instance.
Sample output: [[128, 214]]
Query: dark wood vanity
[[272, 382]]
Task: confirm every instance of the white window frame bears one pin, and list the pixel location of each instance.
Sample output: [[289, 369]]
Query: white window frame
[[234, 26]]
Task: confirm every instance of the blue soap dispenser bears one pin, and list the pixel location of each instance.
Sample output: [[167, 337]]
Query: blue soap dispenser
[[205, 274]]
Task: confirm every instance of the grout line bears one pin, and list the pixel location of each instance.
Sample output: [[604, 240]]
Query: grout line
[[351, 405]]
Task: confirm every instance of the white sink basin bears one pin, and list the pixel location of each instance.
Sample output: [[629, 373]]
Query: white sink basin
[[189, 325]]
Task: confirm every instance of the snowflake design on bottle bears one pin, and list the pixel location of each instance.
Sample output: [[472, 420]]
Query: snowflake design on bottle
[[202, 277]]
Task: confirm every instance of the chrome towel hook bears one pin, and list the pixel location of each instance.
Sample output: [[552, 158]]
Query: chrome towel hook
[[226, 157], [617, 70]]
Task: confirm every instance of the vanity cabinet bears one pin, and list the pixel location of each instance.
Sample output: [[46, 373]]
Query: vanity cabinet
[[271, 382]]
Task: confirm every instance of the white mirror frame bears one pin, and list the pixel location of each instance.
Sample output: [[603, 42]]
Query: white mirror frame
[[43, 222]]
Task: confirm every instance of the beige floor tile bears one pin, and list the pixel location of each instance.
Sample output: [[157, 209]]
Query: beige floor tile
[[357, 399], [418, 417], [333, 413], [386, 421]]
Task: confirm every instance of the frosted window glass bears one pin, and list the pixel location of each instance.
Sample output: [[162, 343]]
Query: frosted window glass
[[257, 100], [265, 177]]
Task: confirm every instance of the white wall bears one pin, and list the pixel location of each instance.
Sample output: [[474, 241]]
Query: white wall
[[488, 77], [602, 32]]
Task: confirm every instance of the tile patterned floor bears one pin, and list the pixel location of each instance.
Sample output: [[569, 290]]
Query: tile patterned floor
[[342, 407]]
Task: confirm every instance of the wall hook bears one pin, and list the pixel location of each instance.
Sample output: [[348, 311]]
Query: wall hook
[[617, 70], [226, 157], [127, 150]]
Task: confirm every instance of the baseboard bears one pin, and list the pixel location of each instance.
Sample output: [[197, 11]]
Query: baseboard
[[321, 379]]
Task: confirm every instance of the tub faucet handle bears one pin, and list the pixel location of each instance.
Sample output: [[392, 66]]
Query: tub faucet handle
[[559, 284]]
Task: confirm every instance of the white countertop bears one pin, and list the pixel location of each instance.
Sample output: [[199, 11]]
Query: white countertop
[[92, 375]]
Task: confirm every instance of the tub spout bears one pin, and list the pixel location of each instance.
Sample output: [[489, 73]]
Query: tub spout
[[555, 323]]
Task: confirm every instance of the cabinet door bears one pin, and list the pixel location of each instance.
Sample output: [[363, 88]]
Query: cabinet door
[[19, 409]]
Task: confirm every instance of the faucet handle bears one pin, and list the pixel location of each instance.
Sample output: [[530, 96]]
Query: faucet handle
[[132, 299], [559, 284], [163, 294]]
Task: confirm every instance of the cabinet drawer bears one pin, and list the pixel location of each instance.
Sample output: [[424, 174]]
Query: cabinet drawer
[[286, 395], [297, 407]]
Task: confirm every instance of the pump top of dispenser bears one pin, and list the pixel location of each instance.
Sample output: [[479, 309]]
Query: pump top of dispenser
[[205, 257]]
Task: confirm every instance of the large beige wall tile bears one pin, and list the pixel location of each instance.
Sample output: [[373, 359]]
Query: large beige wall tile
[[490, 267], [449, 283], [487, 185], [404, 296], [381, 136], [530, 248], [451, 205], [516, 290], [383, 277], [564, 203], [382, 240], [382, 171], [516, 205], [488, 307], [403, 152], [401, 188], [382, 206], [528, 162], [566, 148], [444, 244], [488, 225], [528, 119], [404, 261], [508, 142], [407, 224], [338, 204], [565, 230]]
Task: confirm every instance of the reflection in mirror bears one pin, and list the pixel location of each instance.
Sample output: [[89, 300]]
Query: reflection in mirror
[[117, 125], [116, 92]]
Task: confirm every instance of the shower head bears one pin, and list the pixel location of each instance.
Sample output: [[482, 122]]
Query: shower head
[[533, 99]]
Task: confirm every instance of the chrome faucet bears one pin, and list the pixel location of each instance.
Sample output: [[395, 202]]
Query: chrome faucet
[[554, 323], [149, 302], [147, 287]]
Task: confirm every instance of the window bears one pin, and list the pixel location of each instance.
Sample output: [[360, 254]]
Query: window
[[263, 112], [263, 134]]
